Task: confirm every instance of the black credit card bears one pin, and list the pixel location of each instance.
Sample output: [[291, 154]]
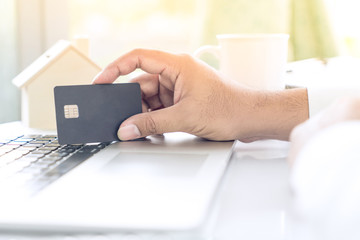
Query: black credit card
[[93, 113]]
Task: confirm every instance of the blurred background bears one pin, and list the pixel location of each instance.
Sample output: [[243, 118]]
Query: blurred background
[[317, 28]]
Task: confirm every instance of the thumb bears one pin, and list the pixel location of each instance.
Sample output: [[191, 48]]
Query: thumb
[[149, 123]]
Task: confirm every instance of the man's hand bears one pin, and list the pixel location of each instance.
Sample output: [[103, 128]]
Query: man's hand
[[345, 109], [180, 93]]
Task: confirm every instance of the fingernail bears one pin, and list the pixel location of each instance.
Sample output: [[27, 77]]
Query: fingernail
[[128, 132], [97, 75]]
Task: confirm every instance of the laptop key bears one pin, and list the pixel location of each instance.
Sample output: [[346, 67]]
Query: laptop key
[[40, 141], [58, 154], [48, 148], [18, 142], [28, 158], [50, 159], [66, 150], [53, 145], [36, 155], [14, 154], [33, 171], [40, 165], [45, 138], [89, 149], [18, 165], [8, 148], [51, 136], [35, 144], [31, 136], [29, 147], [46, 162], [72, 146], [25, 139], [23, 151], [41, 151], [26, 161]]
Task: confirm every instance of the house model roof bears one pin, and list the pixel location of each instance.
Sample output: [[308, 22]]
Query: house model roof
[[44, 61]]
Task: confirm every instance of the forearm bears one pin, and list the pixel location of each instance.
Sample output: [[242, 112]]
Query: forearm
[[272, 115], [284, 111]]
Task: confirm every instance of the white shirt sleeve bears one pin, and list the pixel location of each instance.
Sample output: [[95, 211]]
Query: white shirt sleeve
[[326, 83], [321, 97], [325, 180]]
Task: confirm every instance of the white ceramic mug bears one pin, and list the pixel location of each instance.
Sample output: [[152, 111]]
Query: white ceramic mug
[[255, 60]]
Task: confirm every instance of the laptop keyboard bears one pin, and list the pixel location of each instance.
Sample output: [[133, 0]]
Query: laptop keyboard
[[31, 162]]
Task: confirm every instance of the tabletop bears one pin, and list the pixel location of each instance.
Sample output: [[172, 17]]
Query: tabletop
[[254, 200]]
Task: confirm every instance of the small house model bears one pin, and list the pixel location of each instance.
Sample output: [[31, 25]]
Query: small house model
[[62, 64]]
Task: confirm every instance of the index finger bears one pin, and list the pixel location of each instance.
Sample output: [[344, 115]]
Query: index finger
[[150, 61]]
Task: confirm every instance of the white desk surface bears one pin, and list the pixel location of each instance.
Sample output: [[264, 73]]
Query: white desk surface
[[253, 202]]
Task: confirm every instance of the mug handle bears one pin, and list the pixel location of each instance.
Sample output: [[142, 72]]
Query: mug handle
[[215, 50]]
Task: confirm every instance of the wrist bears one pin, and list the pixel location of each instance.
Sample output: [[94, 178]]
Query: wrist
[[272, 114]]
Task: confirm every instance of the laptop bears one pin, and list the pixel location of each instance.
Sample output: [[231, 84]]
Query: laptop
[[160, 183]]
